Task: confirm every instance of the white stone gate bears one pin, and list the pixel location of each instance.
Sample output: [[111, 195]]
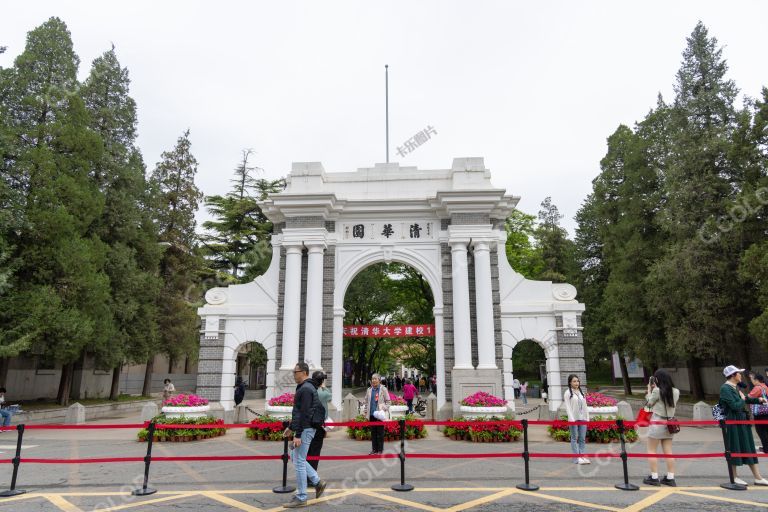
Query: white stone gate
[[448, 224]]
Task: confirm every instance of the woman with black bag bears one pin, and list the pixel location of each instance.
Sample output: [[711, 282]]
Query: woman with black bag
[[662, 399], [760, 411]]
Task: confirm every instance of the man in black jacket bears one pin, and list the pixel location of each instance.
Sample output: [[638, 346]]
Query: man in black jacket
[[306, 417]]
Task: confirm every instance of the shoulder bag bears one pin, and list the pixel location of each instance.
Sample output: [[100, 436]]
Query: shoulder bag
[[673, 429]]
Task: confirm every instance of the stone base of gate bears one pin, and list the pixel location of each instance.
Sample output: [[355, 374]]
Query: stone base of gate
[[467, 382], [284, 382]]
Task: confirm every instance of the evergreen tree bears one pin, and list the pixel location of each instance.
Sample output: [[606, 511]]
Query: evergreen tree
[[238, 238], [694, 285], [557, 252], [125, 224], [176, 201], [58, 304]]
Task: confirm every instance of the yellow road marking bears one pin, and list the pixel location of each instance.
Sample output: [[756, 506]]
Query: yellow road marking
[[148, 502], [226, 500], [570, 501], [650, 500], [399, 501], [62, 503], [482, 501], [722, 498]]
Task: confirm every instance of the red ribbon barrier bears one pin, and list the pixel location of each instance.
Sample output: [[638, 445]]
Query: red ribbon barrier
[[87, 427]]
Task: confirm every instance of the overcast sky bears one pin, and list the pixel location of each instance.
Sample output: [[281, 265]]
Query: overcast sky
[[534, 88]]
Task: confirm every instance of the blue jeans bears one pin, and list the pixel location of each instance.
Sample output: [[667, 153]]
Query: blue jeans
[[6, 414], [303, 469], [524, 397], [578, 438]]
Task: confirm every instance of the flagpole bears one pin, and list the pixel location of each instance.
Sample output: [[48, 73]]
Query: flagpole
[[386, 104]]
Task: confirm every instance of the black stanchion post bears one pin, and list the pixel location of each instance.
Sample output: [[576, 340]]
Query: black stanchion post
[[285, 488], [145, 491], [527, 486], [13, 491], [731, 485], [625, 486], [402, 486]]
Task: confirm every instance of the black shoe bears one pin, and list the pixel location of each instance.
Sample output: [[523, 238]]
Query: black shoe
[[669, 481], [373, 452], [320, 488], [651, 481], [310, 484], [295, 503]]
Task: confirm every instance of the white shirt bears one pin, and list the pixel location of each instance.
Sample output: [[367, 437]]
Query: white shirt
[[575, 406]]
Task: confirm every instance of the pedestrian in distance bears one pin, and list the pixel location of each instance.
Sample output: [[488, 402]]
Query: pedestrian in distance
[[576, 407], [4, 412], [324, 396], [740, 440], [239, 390], [759, 410], [377, 403], [524, 392], [661, 397], [168, 389], [306, 417], [516, 387], [409, 393]]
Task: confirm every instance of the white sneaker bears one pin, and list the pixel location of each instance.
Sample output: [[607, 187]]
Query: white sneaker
[[739, 481], [586, 461], [582, 460], [762, 481]]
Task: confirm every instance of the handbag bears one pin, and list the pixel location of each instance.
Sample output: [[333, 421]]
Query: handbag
[[643, 416], [717, 412], [760, 409], [672, 429]]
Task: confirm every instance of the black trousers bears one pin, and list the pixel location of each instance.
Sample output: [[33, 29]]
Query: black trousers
[[316, 446], [762, 432], [377, 437]]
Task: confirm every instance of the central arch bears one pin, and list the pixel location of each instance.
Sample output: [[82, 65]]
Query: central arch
[[345, 274]]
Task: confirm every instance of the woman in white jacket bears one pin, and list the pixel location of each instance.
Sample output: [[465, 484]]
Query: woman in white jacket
[[576, 406]]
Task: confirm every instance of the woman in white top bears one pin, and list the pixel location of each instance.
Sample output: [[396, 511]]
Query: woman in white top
[[576, 406]]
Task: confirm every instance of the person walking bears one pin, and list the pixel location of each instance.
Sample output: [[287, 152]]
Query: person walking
[[168, 389], [376, 399], [516, 388], [740, 440], [576, 407], [409, 393], [6, 414], [544, 389], [324, 396], [760, 390], [524, 392], [422, 384], [239, 390], [661, 397], [306, 417], [433, 384]]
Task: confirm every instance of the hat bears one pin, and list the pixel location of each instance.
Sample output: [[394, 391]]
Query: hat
[[730, 370]]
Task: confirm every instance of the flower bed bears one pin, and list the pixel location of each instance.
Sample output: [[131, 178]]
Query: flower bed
[[185, 406], [595, 433], [183, 434], [284, 400], [272, 432], [391, 430], [182, 400], [502, 430], [600, 400], [483, 399]]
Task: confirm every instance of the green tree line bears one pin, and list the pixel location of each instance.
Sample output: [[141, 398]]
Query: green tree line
[[100, 258]]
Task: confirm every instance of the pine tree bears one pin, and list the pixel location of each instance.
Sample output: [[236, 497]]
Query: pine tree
[[557, 252], [58, 305], [176, 201], [126, 223], [694, 286], [237, 242]]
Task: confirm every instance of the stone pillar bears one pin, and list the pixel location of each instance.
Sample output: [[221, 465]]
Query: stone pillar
[[338, 358], [462, 331], [313, 327], [439, 356], [292, 307], [486, 349]]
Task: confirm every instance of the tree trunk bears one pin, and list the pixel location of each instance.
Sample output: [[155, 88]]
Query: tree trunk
[[5, 362], [171, 364], [625, 375], [65, 384], [186, 365], [114, 392], [146, 389], [694, 378]]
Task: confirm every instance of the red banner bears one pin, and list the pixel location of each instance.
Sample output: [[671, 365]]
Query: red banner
[[388, 331]]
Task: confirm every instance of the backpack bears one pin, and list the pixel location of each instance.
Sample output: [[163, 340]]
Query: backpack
[[318, 411]]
